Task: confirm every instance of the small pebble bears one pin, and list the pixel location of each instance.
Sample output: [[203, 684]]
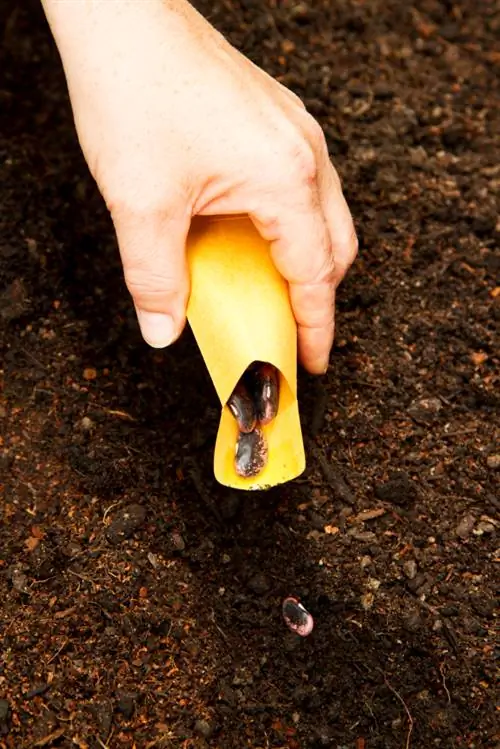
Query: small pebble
[[484, 527], [86, 424], [259, 584], [425, 411], [177, 541], [410, 569], [203, 728], [465, 526], [493, 461], [126, 704], [4, 711], [126, 521], [297, 618]]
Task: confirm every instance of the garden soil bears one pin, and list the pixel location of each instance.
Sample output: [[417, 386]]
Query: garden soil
[[140, 600]]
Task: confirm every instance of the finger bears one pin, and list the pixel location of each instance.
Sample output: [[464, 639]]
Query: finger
[[301, 250], [153, 251], [339, 221]]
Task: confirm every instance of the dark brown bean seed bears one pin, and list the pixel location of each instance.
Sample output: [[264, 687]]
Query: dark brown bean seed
[[251, 454], [264, 385], [242, 407], [297, 618]]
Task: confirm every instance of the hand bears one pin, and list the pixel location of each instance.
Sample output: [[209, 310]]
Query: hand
[[174, 122]]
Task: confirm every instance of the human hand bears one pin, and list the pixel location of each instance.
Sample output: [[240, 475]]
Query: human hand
[[174, 122]]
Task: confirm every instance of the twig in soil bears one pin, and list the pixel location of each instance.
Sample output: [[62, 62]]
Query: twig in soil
[[447, 630], [335, 481], [197, 480], [443, 680], [48, 740], [405, 706], [85, 579], [53, 657], [212, 619], [108, 510]]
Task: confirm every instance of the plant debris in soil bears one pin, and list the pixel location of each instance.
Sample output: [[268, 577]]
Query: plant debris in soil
[[141, 601]]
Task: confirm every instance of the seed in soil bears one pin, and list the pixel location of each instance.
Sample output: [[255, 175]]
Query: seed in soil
[[242, 407], [297, 618], [264, 386], [251, 453]]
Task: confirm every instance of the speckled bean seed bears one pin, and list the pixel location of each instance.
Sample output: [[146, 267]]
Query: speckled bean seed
[[297, 618], [242, 407], [264, 386], [251, 454]]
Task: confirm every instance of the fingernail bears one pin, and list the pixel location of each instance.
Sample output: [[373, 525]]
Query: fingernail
[[157, 328]]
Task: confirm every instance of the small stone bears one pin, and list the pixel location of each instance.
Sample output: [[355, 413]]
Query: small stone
[[484, 527], [14, 301], [4, 715], [177, 541], [230, 505], [203, 728], [465, 526], [323, 738], [425, 410], [413, 622], [126, 704], [399, 489], [300, 11], [417, 582], [126, 521], [86, 424], [259, 584], [19, 580], [493, 461], [366, 562], [367, 600], [103, 714], [410, 569]]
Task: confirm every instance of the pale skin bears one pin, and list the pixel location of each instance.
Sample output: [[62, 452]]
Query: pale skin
[[174, 122]]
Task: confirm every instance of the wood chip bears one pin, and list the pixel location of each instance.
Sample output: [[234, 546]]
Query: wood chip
[[331, 530], [48, 740], [377, 512], [89, 373], [31, 543], [478, 357], [64, 613]]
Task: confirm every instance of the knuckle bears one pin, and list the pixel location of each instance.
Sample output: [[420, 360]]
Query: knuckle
[[151, 291], [303, 161], [315, 133], [352, 246]]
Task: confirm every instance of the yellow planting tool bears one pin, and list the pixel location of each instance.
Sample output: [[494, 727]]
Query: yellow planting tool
[[239, 311]]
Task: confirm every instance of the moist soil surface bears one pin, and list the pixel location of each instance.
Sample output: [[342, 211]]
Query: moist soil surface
[[140, 600]]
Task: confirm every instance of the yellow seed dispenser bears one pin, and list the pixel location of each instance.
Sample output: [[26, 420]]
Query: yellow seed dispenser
[[240, 313]]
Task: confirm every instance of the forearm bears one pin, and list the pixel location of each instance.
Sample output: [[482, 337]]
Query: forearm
[[97, 33]]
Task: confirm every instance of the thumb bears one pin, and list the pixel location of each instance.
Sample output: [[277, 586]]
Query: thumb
[[153, 251]]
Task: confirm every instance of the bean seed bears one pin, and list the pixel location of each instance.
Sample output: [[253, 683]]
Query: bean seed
[[264, 386], [251, 453], [242, 407], [297, 618]]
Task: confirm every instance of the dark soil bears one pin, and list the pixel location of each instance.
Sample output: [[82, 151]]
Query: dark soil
[[141, 601]]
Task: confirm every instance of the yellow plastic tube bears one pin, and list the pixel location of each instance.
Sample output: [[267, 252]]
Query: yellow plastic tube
[[239, 311]]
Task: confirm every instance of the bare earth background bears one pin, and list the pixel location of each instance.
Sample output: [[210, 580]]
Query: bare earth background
[[140, 601]]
